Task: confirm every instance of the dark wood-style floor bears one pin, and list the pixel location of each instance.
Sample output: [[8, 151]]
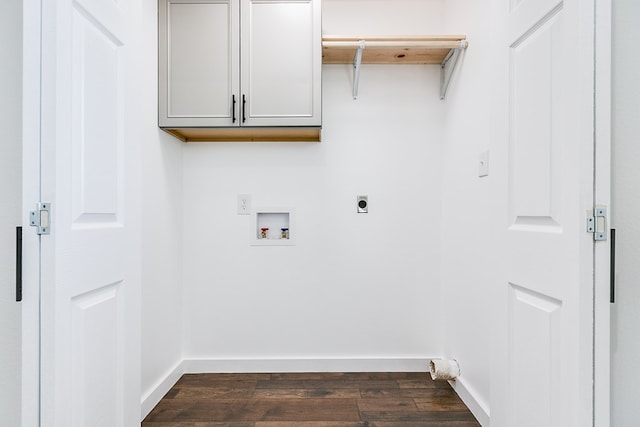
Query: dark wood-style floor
[[310, 400]]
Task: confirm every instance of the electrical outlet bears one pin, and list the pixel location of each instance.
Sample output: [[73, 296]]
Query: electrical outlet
[[244, 204], [363, 204]]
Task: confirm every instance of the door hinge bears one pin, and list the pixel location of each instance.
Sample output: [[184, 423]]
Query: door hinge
[[597, 223], [41, 218]]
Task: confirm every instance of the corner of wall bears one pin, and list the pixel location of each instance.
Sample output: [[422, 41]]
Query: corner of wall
[[467, 247], [156, 392], [478, 406], [161, 229]]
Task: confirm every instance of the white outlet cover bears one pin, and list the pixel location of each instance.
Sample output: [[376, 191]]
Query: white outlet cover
[[483, 164], [244, 204]]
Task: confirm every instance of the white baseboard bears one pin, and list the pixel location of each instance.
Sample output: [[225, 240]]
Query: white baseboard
[[305, 365], [470, 398], [151, 398]]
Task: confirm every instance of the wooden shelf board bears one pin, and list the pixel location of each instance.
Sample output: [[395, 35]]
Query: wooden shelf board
[[389, 50], [293, 134]]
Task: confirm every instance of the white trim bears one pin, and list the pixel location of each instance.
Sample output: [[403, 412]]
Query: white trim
[[409, 364], [478, 407], [31, 61], [151, 398], [602, 321]]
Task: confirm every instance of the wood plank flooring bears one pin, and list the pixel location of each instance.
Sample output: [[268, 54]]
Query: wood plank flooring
[[310, 400]]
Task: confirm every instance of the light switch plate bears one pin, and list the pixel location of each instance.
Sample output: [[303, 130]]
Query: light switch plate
[[483, 164]]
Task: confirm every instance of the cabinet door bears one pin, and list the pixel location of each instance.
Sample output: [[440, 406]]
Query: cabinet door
[[198, 63], [281, 62]]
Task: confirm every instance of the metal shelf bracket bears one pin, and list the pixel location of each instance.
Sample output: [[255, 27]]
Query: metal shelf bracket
[[447, 67], [357, 61]]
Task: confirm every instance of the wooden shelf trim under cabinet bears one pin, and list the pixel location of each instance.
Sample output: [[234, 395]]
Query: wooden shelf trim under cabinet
[[288, 134], [390, 50]]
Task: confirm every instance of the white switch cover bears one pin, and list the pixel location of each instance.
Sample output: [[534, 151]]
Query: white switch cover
[[483, 164], [244, 204]]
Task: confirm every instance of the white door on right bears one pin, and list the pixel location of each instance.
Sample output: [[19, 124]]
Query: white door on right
[[548, 287]]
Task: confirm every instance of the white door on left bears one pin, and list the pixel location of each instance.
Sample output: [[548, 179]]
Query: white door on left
[[90, 291], [10, 208]]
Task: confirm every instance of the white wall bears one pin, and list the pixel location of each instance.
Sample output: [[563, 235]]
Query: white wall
[[468, 240], [161, 227], [10, 207], [356, 286], [382, 17], [625, 316], [363, 286]]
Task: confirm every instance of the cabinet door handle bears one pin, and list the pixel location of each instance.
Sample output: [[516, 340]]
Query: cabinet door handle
[[233, 108], [244, 103]]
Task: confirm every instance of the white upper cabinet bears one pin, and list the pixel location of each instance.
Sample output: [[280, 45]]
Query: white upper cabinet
[[199, 62], [281, 62], [239, 63]]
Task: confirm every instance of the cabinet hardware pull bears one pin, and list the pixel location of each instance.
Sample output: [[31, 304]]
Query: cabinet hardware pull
[[233, 109], [244, 103]]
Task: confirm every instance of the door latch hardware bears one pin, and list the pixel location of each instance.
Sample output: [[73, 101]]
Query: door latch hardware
[[597, 224], [18, 264], [41, 218]]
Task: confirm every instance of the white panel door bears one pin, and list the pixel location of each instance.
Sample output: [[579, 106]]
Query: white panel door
[[281, 62], [548, 286], [10, 212], [90, 351]]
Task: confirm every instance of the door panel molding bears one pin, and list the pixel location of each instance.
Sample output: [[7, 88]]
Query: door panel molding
[[534, 356]]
